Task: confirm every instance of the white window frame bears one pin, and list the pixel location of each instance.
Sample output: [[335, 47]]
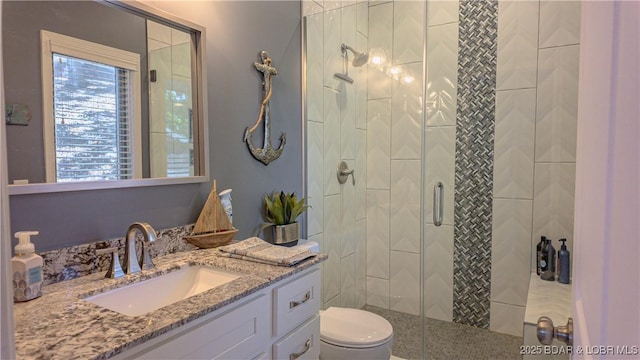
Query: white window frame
[[56, 43]]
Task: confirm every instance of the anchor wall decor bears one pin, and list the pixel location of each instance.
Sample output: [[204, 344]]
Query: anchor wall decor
[[267, 153]]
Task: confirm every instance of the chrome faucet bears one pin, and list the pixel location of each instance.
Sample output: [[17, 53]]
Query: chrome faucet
[[131, 264]]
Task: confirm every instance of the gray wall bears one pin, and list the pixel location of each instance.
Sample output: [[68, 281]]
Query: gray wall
[[21, 25], [236, 32]]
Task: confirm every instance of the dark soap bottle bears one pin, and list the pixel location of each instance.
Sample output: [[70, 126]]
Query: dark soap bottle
[[564, 263], [547, 264], [539, 253]]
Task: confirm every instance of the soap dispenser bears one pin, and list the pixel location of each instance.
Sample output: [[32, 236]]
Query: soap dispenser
[[27, 269], [564, 263]]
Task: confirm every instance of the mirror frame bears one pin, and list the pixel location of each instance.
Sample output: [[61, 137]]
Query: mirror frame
[[201, 132]]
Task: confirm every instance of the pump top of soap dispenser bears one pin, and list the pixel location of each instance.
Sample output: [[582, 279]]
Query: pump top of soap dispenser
[[25, 247], [564, 244]]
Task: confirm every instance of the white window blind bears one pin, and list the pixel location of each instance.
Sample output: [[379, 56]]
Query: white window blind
[[91, 112]]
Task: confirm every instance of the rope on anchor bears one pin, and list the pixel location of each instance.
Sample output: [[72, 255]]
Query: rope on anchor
[[267, 63]]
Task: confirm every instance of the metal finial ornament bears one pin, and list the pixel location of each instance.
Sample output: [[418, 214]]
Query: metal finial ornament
[[266, 154]]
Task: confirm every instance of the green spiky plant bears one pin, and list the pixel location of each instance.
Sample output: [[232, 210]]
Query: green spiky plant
[[282, 208]]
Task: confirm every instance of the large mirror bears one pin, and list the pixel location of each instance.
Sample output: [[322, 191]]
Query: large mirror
[[101, 94]]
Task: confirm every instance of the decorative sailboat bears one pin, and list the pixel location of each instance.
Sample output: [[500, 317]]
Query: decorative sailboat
[[213, 227]]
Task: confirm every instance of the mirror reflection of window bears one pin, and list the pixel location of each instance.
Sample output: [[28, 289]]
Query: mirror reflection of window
[[92, 117], [170, 96], [92, 110]]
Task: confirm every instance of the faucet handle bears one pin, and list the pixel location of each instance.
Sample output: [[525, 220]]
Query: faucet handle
[[115, 270], [145, 259]]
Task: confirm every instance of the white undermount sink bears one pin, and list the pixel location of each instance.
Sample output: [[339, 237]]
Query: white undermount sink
[[149, 295]]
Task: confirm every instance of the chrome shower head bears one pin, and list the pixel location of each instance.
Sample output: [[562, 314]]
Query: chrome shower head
[[359, 59]]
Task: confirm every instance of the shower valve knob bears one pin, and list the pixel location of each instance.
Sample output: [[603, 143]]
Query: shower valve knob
[[344, 172]]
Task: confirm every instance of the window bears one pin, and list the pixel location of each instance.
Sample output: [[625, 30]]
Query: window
[[91, 110]]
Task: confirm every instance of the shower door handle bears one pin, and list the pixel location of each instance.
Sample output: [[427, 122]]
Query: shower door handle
[[438, 203]]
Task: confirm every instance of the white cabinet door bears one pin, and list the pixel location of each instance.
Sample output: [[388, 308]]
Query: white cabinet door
[[242, 333]]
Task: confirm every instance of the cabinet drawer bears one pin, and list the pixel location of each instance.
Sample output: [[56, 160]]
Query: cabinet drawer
[[295, 302], [303, 343]]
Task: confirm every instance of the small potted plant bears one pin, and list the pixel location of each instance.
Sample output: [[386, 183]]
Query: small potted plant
[[281, 212]]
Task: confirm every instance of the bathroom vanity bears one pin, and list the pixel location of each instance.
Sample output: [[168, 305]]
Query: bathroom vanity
[[266, 312]]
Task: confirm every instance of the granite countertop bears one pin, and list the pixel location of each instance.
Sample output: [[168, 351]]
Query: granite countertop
[[548, 298], [60, 325]]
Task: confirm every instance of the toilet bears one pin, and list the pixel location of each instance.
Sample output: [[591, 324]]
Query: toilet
[[351, 333], [354, 334]]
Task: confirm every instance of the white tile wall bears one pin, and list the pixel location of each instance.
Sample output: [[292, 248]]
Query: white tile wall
[[380, 44], [514, 143], [348, 282], [405, 205], [347, 122], [360, 174], [315, 177], [442, 12], [553, 203], [362, 11], [361, 263], [331, 54], [348, 91], [510, 250], [438, 272], [332, 237], [348, 240], [331, 147], [333, 302], [378, 144], [315, 64], [528, 43], [348, 29], [406, 113], [378, 292], [517, 45], [336, 130], [408, 30], [360, 84], [332, 4], [310, 7], [442, 73], [506, 318], [557, 109], [404, 284], [378, 234], [559, 23]]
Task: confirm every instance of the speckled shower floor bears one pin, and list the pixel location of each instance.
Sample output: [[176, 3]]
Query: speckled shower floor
[[447, 340]]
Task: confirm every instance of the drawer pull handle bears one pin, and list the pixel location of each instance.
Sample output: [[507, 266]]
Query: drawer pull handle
[[307, 346], [306, 298]]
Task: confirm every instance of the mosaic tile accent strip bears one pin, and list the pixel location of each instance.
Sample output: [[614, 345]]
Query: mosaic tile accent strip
[[72, 262], [477, 59]]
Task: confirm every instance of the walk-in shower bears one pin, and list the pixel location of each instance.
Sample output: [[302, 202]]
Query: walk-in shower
[[439, 102], [359, 59]]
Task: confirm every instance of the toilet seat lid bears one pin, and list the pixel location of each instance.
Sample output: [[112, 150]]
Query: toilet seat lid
[[353, 328]]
